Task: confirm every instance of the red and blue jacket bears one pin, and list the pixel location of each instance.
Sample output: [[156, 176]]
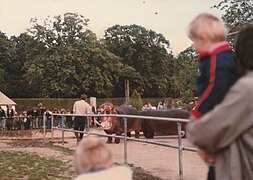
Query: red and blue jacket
[[216, 73]]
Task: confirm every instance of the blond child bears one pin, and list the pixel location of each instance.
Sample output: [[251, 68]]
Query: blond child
[[217, 69], [227, 130]]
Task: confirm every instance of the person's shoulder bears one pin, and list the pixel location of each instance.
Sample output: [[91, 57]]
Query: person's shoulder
[[78, 101], [246, 80], [113, 173], [84, 102], [244, 85], [124, 171], [121, 168]]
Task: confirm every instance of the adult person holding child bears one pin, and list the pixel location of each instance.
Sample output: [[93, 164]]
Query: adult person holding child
[[226, 132]]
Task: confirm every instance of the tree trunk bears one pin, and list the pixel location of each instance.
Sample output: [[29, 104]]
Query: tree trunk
[[127, 91]]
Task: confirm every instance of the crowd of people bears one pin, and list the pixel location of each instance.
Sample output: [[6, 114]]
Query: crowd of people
[[160, 106], [35, 117]]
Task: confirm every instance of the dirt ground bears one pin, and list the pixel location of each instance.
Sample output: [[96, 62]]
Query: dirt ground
[[159, 161]]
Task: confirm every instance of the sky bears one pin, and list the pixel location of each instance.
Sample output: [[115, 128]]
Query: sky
[[168, 17]]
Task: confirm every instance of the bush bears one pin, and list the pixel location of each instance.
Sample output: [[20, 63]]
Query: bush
[[136, 100]]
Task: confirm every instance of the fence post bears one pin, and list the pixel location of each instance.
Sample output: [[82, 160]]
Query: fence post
[[62, 133], [44, 126], [52, 128], [179, 127], [87, 129], [125, 140]]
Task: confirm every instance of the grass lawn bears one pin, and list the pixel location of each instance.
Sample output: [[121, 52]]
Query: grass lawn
[[20, 165], [17, 165]]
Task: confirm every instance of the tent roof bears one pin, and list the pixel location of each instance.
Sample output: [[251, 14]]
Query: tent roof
[[4, 100]]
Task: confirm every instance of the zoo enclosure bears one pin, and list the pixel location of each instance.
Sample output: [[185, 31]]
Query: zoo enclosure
[[179, 122]]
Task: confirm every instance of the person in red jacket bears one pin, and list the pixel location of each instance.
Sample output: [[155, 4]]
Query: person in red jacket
[[217, 70], [227, 130]]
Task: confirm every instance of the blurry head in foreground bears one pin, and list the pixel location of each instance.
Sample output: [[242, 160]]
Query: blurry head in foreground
[[206, 30], [93, 161], [92, 155]]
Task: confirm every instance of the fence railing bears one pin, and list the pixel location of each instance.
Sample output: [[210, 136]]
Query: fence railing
[[179, 122]]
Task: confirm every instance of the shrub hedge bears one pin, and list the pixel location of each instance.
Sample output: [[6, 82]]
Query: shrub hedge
[[67, 103]]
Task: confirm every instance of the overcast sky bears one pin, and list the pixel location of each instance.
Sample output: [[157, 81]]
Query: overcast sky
[[169, 17]]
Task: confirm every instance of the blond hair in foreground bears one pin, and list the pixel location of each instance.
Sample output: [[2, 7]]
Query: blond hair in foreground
[[207, 26], [91, 155]]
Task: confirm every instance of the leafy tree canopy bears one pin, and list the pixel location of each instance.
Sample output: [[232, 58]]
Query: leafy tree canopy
[[70, 60], [145, 51], [237, 13]]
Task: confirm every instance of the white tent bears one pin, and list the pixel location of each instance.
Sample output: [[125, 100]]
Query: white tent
[[4, 101]]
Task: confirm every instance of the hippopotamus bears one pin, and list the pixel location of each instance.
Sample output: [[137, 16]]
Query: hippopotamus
[[115, 125], [150, 127]]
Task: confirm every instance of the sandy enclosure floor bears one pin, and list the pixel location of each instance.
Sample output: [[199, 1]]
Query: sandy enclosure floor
[[158, 160]]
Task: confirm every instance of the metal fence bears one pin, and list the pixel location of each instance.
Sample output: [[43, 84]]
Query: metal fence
[[179, 122]]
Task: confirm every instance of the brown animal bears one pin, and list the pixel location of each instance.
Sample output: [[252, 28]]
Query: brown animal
[[150, 127], [115, 125]]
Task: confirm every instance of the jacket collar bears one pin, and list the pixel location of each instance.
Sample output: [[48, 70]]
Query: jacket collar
[[224, 46]]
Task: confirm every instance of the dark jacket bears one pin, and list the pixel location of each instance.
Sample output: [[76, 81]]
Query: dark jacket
[[2, 113], [9, 113], [216, 73]]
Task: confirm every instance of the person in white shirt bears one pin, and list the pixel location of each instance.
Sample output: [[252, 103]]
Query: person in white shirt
[[80, 107]]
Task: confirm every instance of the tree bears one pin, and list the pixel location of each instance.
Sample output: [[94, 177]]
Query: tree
[[129, 74], [4, 59], [25, 50], [104, 71], [7, 65], [144, 50], [183, 78], [51, 72], [70, 60], [237, 13], [136, 100]]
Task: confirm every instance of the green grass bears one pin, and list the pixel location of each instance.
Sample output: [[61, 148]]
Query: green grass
[[15, 165], [20, 165]]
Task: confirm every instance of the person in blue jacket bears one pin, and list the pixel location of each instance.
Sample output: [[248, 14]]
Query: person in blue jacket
[[217, 70]]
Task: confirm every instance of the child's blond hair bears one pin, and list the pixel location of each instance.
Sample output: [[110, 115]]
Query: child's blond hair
[[208, 26], [91, 154]]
